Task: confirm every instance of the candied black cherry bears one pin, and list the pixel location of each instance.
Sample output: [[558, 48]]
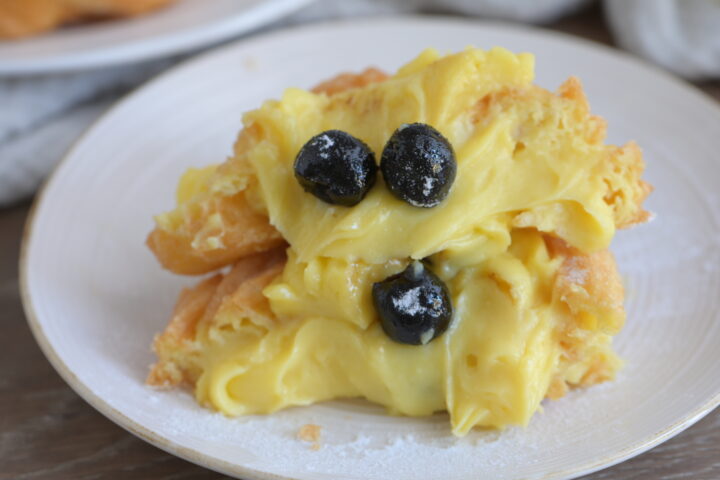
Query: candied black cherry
[[336, 167], [418, 165], [414, 306]]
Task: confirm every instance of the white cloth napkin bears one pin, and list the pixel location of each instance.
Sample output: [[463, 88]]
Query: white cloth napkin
[[41, 116]]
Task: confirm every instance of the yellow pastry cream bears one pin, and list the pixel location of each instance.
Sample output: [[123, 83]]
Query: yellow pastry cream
[[520, 242]]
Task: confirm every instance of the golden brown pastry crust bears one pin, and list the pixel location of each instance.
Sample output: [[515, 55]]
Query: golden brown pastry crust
[[591, 287], [241, 288], [20, 18], [589, 283], [626, 159], [346, 81], [245, 232]]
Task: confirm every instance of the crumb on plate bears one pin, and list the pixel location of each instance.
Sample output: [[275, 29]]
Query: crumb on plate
[[310, 433]]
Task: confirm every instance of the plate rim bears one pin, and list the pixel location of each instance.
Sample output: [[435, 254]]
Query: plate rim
[[161, 46], [240, 471]]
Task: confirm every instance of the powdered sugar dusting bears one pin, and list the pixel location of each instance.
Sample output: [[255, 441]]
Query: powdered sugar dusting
[[409, 302], [327, 141], [324, 142], [575, 272], [428, 183], [360, 441]]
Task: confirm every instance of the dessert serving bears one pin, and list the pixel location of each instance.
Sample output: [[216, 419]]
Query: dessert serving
[[435, 240], [21, 18]]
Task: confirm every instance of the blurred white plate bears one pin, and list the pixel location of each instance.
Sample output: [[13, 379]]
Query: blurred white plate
[[183, 26], [95, 296]]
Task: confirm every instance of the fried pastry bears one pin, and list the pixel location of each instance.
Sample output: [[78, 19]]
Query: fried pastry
[[499, 292]]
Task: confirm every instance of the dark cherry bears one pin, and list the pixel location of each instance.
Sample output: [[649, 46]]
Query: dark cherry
[[414, 306], [418, 165], [336, 167]]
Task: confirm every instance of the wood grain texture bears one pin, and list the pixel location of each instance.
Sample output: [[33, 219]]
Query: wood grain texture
[[48, 433]]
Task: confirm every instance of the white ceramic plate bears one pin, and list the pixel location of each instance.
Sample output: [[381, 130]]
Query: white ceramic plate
[[95, 295], [183, 26]]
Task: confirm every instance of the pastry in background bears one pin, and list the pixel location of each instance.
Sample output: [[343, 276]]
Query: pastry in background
[[22, 18]]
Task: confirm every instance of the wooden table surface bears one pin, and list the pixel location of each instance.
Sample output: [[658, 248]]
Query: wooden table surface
[[48, 432]]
